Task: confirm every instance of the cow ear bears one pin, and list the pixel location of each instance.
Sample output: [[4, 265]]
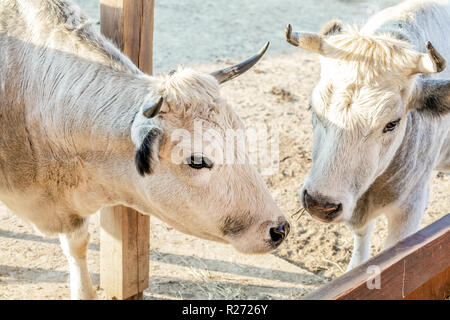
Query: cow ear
[[434, 97], [430, 62], [331, 27], [146, 134]]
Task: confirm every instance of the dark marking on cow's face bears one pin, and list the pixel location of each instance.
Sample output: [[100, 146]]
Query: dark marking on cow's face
[[233, 226], [145, 155], [76, 222], [435, 97]]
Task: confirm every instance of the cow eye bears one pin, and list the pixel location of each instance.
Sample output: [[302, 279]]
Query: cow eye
[[391, 125], [199, 162]]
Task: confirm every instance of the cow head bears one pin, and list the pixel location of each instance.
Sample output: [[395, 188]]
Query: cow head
[[368, 85], [183, 175]]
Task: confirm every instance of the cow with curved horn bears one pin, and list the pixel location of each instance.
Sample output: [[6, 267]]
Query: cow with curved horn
[[381, 119], [83, 128]]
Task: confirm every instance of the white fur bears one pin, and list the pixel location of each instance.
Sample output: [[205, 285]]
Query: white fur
[[368, 79]]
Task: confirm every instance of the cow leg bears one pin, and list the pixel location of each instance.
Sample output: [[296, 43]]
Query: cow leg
[[405, 220], [75, 246], [361, 245]]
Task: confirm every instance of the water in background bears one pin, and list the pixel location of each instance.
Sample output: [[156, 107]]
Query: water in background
[[189, 31]]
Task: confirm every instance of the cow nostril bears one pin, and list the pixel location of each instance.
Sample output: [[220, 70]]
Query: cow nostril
[[336, 210], [278, 234]]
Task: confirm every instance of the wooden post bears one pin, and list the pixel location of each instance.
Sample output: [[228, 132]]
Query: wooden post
[[125, 233]]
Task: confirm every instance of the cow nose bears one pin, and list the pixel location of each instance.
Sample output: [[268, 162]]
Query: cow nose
[[278, 234], [320, 208]]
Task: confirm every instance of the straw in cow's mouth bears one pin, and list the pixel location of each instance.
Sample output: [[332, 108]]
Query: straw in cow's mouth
[[299, 212]]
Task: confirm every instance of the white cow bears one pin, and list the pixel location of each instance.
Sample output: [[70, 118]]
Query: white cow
[[381, 119], [83, 128]]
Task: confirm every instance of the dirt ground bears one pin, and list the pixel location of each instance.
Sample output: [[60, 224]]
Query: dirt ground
[[182, 267]]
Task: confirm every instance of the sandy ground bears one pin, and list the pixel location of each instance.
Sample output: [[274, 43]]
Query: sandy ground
[[181, 267]]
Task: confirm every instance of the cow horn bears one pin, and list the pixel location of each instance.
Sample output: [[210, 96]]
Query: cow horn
[[229, 73], [304, 40], [153, 110]]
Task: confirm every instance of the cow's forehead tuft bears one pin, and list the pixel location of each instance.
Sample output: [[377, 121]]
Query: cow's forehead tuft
[[352, 106]]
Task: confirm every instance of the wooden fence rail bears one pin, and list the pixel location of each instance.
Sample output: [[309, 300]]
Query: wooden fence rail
[[418, 267]]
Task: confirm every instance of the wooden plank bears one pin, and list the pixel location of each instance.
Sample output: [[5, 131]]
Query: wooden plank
[[118, 250], [125, 233], [132, 17], [111, 20], [438, 288], [415, 262], [143, 252], [146, 46]]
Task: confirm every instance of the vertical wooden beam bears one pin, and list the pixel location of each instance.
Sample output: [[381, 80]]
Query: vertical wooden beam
[[125, 233], [147, 27]]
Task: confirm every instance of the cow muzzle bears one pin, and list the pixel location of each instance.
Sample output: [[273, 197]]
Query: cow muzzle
[[320, 207]]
